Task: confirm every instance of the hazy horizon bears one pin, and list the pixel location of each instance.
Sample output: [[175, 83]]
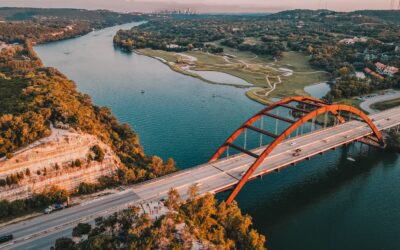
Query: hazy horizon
[[204, 5]]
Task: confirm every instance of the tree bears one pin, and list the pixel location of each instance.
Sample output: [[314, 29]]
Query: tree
[[9, 155], [98, 152], [343, 71], [64, 244], [81, 229], [193, 192], [310, 49], [173, 199], [78, 163]]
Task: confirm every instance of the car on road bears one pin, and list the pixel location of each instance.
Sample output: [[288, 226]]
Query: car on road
[[48, 210], [55, 207], [292, 143], [5, 238]]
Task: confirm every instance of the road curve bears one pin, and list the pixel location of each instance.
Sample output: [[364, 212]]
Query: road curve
[[366, 105]]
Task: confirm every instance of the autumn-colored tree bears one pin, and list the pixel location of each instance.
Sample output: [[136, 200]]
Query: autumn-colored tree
[[310, 49], [211, 225], [173, 199]]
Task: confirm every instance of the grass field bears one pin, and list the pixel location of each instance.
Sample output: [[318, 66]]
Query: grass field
[[252, 68], [386, 104], [158, 53]]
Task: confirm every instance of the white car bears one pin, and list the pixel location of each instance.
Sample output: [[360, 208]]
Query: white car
[[292, 143], [48, 210]]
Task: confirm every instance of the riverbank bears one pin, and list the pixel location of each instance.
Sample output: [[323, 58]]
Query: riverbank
[[170, 60], [278, 79]]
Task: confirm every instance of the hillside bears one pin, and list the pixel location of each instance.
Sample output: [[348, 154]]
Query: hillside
[[387, 15], [35, 97], [381, 15], [98, 17], [44, 25]]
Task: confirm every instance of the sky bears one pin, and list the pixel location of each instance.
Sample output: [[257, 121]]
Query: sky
[[205, 5]]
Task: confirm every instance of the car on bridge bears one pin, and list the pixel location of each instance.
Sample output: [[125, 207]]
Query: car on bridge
[[6, 238]]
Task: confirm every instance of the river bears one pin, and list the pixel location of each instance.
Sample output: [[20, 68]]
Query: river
[[326, 203]]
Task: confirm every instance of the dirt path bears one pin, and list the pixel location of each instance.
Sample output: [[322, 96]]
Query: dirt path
[[272, 87]]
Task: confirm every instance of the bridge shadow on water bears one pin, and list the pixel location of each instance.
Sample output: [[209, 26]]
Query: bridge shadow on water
[[280, 195]]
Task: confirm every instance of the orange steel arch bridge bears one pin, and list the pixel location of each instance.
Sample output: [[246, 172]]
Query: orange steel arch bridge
[[305, 109], [265, 149]]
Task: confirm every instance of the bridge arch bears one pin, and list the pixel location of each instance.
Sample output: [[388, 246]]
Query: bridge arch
[[322, 108]]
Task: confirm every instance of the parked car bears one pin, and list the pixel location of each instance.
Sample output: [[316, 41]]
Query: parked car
[[55, 207], [48, 210]]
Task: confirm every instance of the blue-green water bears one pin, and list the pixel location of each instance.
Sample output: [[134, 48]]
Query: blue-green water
[[326, 203]]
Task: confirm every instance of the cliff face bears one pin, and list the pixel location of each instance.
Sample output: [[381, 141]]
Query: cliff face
[[64, 159]]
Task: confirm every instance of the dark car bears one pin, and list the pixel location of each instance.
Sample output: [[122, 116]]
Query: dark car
[[6, 238]]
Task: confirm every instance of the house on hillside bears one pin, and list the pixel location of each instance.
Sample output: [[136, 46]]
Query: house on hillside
[[351, 41], [386, 70], [373, 73]]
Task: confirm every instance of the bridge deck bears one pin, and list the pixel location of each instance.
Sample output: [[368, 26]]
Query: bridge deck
[[225, 173], [219, 175]]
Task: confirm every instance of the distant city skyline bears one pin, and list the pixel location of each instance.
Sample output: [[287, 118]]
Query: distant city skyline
[[205, 5]]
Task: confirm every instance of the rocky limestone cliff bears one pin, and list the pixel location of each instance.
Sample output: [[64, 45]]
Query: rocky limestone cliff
[[61, 160]]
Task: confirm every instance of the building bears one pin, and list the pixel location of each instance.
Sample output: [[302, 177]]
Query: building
[[351, 41], [386, 70], [373, 73]]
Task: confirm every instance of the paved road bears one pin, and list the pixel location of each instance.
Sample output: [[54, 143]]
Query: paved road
[[40, 232], [366, 105]]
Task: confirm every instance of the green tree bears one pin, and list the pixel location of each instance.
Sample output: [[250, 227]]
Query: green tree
[[64, 244], [81, 229]]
